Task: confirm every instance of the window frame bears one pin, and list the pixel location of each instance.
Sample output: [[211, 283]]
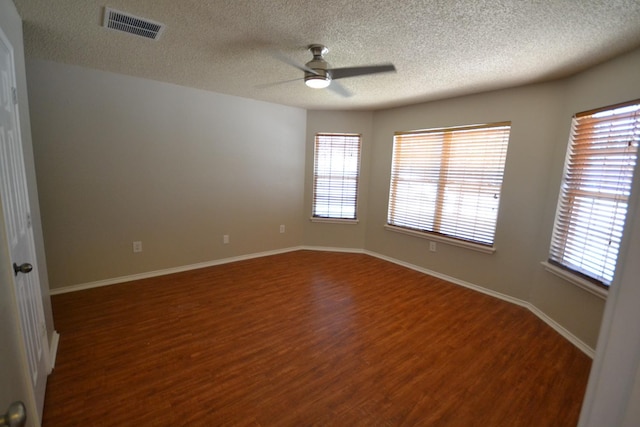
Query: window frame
[[350, 175], [495, 137], [565, 231]]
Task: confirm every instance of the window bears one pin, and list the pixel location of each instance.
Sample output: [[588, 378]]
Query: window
[[595, 189], [447, 181], [335, 176]]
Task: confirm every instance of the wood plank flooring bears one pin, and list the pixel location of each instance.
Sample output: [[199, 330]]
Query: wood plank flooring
[[307, 339]]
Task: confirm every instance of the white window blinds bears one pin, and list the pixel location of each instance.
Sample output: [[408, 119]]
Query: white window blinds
[[335, 177], [448, 181], [597, 181]]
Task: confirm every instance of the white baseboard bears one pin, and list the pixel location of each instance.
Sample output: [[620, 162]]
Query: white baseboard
[[332, 249], [53, 350], [453, 280], [562, 331], [535, 310], [540, 314], [164, 272]]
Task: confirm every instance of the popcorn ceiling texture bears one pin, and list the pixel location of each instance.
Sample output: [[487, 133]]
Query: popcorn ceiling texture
[[441, 48]]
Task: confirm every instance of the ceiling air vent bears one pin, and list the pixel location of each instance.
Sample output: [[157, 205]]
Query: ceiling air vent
[[122, 21]]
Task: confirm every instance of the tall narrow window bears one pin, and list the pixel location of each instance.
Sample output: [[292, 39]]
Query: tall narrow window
[[448, 181], [335, 176], [595, 189]]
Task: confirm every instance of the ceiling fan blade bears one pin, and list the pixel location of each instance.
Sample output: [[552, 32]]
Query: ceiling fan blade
[[284, 58], [340, 73], [267, 85], [339, 89]]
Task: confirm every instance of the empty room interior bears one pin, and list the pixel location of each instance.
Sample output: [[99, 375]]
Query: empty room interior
[[328, 213]]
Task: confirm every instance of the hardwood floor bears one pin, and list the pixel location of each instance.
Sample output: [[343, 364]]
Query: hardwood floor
[[307, 339]]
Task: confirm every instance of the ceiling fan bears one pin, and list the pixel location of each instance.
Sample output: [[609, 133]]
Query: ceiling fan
[[318, 75]]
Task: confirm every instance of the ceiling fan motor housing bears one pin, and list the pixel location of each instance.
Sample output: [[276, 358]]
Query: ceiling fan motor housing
[[318, 64]]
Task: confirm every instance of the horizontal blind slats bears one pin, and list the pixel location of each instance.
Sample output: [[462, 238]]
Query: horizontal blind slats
[[448, 181], [597, 181], [336, 172]]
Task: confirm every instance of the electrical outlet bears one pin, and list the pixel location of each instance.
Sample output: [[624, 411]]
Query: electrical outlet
[[225, 239], [432, 246], [282, 228], [137, 247]]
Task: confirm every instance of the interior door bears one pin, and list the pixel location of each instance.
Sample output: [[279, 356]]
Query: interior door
[[19, 234]]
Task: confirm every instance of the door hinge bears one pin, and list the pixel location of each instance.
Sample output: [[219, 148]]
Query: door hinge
[[14, 92]]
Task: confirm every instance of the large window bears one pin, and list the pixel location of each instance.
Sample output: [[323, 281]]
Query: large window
[[595, 189], [335, 176], [447, 181]]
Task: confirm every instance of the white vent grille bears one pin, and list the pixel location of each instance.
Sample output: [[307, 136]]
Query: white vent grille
[[122, 21]]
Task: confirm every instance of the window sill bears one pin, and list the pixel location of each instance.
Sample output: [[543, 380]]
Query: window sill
[[578, 281], [334, 220], [445, 240]]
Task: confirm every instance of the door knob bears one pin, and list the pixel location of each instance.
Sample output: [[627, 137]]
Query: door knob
[[16, 416], [24, 268]]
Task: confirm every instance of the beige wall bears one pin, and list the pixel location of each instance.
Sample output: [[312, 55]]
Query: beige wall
[[533, 114], [122, 159], [338, 235]]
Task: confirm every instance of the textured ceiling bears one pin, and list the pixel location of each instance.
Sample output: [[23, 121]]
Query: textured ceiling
[[441, 48]]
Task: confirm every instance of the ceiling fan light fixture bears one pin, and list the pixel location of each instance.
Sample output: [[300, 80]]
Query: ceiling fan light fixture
[[317, 82]]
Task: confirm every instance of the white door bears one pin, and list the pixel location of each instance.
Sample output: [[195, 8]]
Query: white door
[[15, 202]]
